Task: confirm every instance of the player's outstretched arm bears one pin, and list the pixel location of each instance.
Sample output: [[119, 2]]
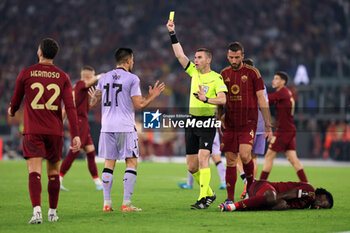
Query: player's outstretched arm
[[179, 53], [96, 96], [93, 80], [265, 111], [140, 102]]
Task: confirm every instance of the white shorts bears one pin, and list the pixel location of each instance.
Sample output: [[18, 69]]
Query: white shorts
[[118, 146]]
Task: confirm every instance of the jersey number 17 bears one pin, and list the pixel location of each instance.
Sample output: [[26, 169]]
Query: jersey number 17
[[107, 88]]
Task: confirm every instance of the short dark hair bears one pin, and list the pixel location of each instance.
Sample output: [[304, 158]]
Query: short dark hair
[[236, 46], [49, 47], [283, 76], [207, 52], [248, 61], [122, 54], [321, 191], [89, 68]]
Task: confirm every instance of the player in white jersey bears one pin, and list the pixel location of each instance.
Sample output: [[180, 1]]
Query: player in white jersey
[[119, 91]]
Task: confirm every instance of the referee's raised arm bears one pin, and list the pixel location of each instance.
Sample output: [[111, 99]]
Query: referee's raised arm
[[179, 53]]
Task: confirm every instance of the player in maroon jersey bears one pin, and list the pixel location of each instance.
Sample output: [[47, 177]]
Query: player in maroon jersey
[[284, 138], [265, 195], [44, 86], [246, 90], [81, 97]]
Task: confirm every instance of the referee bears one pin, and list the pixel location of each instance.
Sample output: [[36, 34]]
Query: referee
[[207, 90]]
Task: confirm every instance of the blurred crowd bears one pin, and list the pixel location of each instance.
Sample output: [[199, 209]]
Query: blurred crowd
[[278, 35]]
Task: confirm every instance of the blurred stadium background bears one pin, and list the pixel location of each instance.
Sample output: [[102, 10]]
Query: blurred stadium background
[[289, 35]]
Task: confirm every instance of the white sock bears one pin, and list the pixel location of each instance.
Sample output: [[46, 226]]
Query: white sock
[[37, 209], [61, 179], [108, 202], [52, 212], [126, 202], [98, 181], [233, 207]]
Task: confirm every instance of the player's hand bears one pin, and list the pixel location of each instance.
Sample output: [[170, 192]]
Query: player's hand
[[99, 76], [200, 95], [76, 143], [9, 112], [157, 89], [170, 25], [222, 119], [268, 132], [92, 91]]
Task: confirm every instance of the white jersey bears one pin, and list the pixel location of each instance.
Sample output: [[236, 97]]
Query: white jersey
[[118, 114]]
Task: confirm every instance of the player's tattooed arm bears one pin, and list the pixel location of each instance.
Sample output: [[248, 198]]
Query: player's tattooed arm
[[96, 96]]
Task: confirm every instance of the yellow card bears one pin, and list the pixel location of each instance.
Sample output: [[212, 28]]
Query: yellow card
[[171, 15]]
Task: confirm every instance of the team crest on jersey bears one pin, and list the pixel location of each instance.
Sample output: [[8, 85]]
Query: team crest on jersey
[[235, 89], [227, 79], [244, 78], [252, 133]]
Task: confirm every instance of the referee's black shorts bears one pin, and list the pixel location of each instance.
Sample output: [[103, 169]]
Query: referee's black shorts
[[199, 138]]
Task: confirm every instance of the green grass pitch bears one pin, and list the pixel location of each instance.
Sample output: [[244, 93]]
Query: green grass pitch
[[165, 206]]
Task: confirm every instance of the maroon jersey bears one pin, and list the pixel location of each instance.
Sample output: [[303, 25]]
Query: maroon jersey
[[284, 102], [241, 99], [81, 98], [296, 203], [44, 87]]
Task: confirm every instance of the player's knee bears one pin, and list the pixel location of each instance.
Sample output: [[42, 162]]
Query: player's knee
[[192, 170], [271, 197]]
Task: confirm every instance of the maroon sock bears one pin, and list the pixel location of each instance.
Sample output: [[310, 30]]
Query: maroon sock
[[92, 164], [67, 162], [302, 176], [54, 190], [249, 172], [251, 203], [35, 188], [231, 178], [264, 175]]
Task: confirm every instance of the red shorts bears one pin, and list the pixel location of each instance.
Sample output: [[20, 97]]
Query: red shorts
[[258, 188], [42, 145], [84, 133], [282, 141], [233, 137]]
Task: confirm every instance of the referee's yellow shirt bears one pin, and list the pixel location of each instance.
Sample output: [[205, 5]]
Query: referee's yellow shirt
[[212, 83]]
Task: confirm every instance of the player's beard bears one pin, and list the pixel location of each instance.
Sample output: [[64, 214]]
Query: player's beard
[[235, 67]]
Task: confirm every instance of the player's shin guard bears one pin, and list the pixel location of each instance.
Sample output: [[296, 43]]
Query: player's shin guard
[[35, 188], [92, 164], [67, 162], [129, 183], [221, 170], [251, 203], [264, 175], [53, 188], [204, 180], [302, 176], [107, 179], [249, 172], [231, 178]]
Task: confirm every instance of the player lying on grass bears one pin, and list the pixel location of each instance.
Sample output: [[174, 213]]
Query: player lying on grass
[[265, 195]]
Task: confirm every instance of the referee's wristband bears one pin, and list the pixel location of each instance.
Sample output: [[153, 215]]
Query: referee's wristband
[[206, 100], [173, 37]]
